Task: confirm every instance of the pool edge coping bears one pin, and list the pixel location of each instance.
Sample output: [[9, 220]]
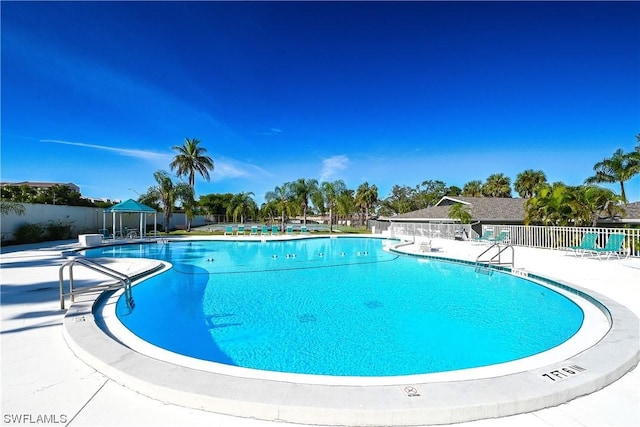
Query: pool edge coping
[[429, 403]]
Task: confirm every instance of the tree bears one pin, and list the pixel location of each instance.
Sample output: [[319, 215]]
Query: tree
[[330, 193], [401, 200], [7, 208], [303, 190], [429, 193], [281, 195], [527, 182], [191, 159], [497, 185], [345, 203], [592, 202], [366, 198], [472, 189], [621, 167], [166, 193], [460, 212], [548, 206], [216, 204], [453, 191], [243, 205]]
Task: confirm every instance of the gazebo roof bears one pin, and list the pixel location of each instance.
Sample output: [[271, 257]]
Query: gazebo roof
[[130, 206]]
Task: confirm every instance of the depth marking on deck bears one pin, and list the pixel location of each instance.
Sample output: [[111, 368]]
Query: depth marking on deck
[[561, 374], [411, 391]]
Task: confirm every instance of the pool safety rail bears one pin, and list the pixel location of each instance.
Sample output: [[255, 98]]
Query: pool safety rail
[[122, 281], [485, 265]]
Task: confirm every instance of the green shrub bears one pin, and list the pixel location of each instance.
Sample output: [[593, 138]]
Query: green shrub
[[59, 230], [29, 233]]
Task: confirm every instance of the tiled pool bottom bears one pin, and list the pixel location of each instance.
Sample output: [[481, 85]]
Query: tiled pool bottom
[[407, 401]]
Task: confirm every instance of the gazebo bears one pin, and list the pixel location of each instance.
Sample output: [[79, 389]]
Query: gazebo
[[130, 206]]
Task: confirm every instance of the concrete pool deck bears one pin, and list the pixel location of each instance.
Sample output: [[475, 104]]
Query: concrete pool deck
[[41, 376]]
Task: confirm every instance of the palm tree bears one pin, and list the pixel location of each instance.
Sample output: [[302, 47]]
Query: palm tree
[[366, 198], [303, 190], [621, 167], [460, 212], [7, 207], [346, 203], [166, 193], [330, 193], [191, 158], [472, 189], [527, 182], [282, 196], [497, 185], [242, 205]]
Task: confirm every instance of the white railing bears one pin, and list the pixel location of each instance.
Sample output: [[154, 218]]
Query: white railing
[[521, 235]]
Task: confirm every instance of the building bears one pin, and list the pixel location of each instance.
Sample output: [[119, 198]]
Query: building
[[42, 185], [498, 211]]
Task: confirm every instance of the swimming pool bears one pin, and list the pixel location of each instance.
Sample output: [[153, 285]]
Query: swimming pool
[[339, 307]]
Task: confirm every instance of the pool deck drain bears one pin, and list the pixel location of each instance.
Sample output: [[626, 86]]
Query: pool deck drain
[[408, 404]]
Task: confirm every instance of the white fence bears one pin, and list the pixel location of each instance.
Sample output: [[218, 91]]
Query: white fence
[[520, 235], [83, 219]]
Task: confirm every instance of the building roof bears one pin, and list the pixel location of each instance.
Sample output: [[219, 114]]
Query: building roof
[[130, 206], [38, 184], [481, 209]]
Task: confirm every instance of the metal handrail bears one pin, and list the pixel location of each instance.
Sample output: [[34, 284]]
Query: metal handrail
[[491, 262], [92, 265]]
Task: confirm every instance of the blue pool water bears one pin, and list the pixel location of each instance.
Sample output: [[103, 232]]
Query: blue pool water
[[338, 307]]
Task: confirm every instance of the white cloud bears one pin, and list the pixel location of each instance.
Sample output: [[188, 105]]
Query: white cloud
[[129, 152], [270, 132], [332, 166]]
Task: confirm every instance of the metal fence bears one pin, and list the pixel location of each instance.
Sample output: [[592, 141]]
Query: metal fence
[[519, 235]]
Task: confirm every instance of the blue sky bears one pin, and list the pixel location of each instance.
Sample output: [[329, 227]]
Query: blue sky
[[97, 93]]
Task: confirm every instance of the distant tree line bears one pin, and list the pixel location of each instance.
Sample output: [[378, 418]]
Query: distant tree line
[[547, 203]]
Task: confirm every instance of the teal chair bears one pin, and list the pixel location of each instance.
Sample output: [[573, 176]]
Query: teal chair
[[487, 235], [274, 230], [289, 229], [254, 230], [241, 230], [265, 230], [228, 230], [588, 243], [612, 247], [303, 229], [503, 237]]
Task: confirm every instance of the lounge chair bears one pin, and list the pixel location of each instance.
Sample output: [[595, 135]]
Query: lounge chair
[[487, 235], [503, 237], [612, 247], [289, 229], [254, 230], [265, 230], [587, 244], [228, 230], [303, 229], [274, 230], [240, 230]]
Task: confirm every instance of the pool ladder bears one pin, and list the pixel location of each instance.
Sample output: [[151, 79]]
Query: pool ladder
[[485, 265], [122, 281]]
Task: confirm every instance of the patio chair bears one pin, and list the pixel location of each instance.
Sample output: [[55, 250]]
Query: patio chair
[[289, 229], [254, 230], [503, 237], [587, 244], [240, 230], [487, 235], [274, 230], [228, 230], [265, 230], [612, 247], [303, 229]]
